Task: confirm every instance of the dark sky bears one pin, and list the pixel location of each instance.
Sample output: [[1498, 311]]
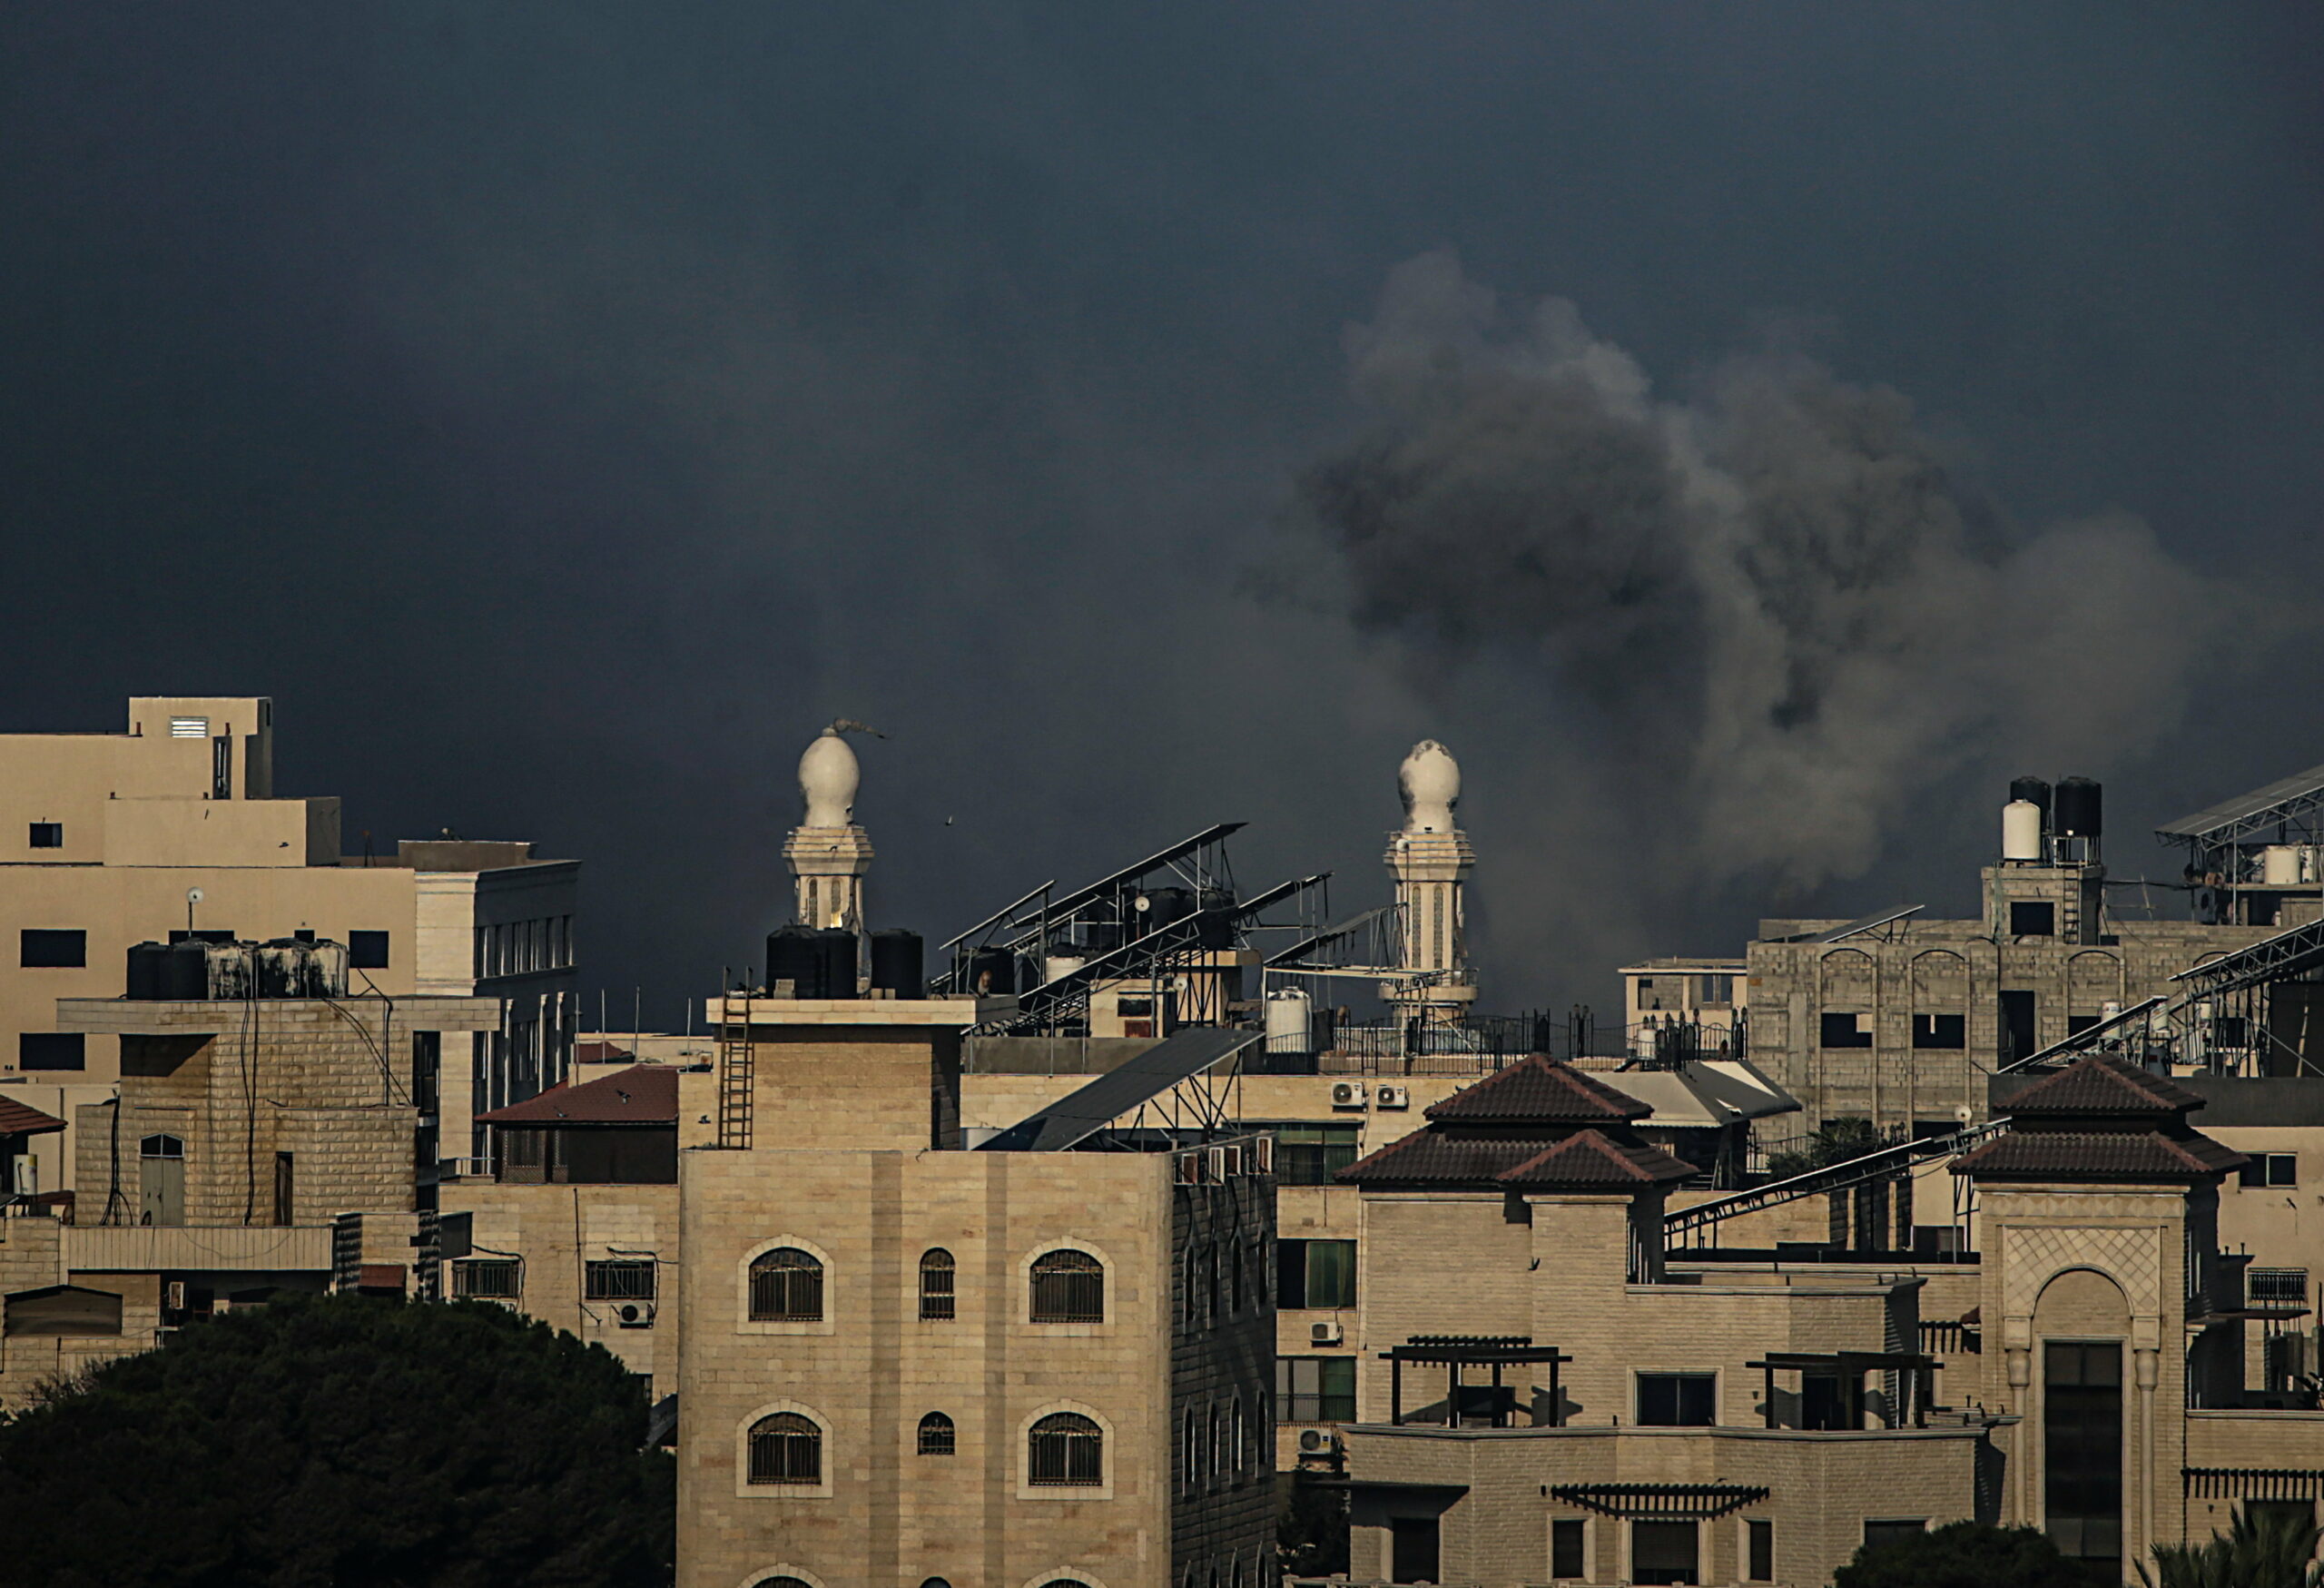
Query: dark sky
[[563, 409]]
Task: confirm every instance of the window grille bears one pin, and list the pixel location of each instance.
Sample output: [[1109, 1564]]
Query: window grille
[[2277, 1284], [488, 1278], [1067, 1449], [936, 1276], [936, 1434], [188, 727], [1068, 1287], [786, 1448], [786, 1286], [619, 1279]]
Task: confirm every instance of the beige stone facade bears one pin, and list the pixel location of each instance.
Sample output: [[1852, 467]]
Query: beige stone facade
[[853, 1173]]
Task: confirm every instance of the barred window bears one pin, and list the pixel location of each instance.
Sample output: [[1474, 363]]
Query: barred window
[[1067, 1449], [489, 1278], [1068, 1287], [786, 1286], [937, 1273], [936, 1434], [786, 1448], [619, 1279], [782, 1582]]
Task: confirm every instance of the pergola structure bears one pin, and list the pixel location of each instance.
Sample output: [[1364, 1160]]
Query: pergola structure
[[1915, 1371], [1455, 1352]]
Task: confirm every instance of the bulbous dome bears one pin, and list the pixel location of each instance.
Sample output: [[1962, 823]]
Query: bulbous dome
[[828, 779], [1430, 782]]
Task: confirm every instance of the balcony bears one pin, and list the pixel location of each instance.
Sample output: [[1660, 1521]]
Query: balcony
[[155, 1248]]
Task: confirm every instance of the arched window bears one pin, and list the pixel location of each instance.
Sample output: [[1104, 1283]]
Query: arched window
[[786, 1286], [778, 1582], [160, 1147], [1068, 1287], [1222, 1459], [1237, 1452], [786, 1448], [1190, 1452], [936, 1274], [936, 1434], [941, 1582], [1067, 1448]]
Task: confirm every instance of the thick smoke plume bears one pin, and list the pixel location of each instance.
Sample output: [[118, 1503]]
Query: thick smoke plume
[[1786, 614]]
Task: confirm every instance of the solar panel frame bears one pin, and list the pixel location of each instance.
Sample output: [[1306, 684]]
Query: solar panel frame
[[1082, 1113]]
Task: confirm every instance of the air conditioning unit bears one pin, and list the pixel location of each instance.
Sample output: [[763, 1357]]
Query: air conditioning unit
[[1318, 1442], [1324, 1333], [1396, 1097], [635, 1315], [1349, 1094]]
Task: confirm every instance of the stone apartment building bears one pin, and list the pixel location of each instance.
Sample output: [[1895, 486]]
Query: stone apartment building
[[174, 827], [1585, 1406], [262, 1139], [904, 1362]]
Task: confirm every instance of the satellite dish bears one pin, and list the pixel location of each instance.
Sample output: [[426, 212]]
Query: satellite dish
[[193, 895]]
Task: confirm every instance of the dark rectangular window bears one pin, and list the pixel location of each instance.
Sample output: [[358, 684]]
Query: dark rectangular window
[[367, 951], [49, 949], [2078, 1024], [1567, 1537], [1314, 1389], [620, 1279], [1760, 1550], [1940, 1031], [2018, 1023], [1845, 1030], [1412, 1549], [1677, 1400], [1665, 1552], [2032, 917], [2082, 1448], [2271, 1169], [1314, 1273], [286, 1194], [1877, 1530], [52, 1050], [1310, 1155], [47, 835], [499, 1279]]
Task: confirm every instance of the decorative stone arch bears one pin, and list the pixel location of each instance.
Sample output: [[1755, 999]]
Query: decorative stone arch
[[1070, 1243], [1109, 1457], [819, 1490], [745, 1324], [1064, 1575], [767, 1574], [2108, 985]]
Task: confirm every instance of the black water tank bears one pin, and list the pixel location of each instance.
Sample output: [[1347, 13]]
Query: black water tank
[[992, 974], [897, 967], [790, 956], [836, 955], [145, 962], [2075, 809], [2031, 790], [185, 970]]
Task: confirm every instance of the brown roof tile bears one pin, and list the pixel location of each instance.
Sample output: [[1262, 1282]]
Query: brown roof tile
[[21, 1120], [2084, 1155], [1589, 1159], [2102, 1084], [644, 1094], [1540, 1090], [1431, 1157]]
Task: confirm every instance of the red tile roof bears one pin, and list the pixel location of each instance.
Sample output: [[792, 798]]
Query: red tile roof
[[20, 1120], [1590, 1159], [2092, 1155], [1540, 1090], [598, 1052], [2103, 1085], [1429, 1157], [643, 1094]]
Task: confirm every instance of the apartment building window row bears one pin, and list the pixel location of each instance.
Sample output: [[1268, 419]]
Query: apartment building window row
[[1217, 1446], [1223, 1279], [786, 1284], [518, 948], [1315, 1389]]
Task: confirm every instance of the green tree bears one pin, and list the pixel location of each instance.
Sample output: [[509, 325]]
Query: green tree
[[1311, 1535], [1965, 1554], [2258, 1551], [1832, 1141], [342, 1443]]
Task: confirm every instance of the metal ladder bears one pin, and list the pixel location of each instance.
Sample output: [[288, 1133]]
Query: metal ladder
[[735, 1066]]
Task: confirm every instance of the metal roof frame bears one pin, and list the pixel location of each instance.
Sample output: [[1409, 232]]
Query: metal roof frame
[[2247, 814], [1127, 1089]]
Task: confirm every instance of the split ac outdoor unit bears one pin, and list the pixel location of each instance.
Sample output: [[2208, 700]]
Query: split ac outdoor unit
[[1318, 1442], [1324, 1333], [1396, 1097], [635, 1315], [1347, 1094]]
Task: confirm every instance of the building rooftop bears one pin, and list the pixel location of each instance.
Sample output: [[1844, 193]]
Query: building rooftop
[[21, 1120], [1540, 1090], [2098, 1155], [2103, 1085]]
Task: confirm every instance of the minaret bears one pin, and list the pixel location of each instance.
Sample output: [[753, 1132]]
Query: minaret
[[828, 852], [1431, 858]]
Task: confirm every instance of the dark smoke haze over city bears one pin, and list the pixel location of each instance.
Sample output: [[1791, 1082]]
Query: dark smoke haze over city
[[1745, 437]]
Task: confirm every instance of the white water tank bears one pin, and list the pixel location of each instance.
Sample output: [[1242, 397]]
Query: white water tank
[[2021, 832], [2285, 866], [1289, 1022], [1058, 965]]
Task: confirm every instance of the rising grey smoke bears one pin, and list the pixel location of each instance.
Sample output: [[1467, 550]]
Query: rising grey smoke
[[1788, 620]]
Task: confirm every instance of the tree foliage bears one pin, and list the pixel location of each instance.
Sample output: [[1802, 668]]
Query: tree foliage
[[345, 1442], [1832, 1141], [1965, 1554], [2259, 1551], [1310, 1534]]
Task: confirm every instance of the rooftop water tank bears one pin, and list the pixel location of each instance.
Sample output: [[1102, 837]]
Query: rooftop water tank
[[897, 963], [2075, 809], [794, 969], [835, 952], [2021, 832], [1290, 1020]]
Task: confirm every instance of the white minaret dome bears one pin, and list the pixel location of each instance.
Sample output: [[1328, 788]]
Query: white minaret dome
[[828, 779], [1429, 780]]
